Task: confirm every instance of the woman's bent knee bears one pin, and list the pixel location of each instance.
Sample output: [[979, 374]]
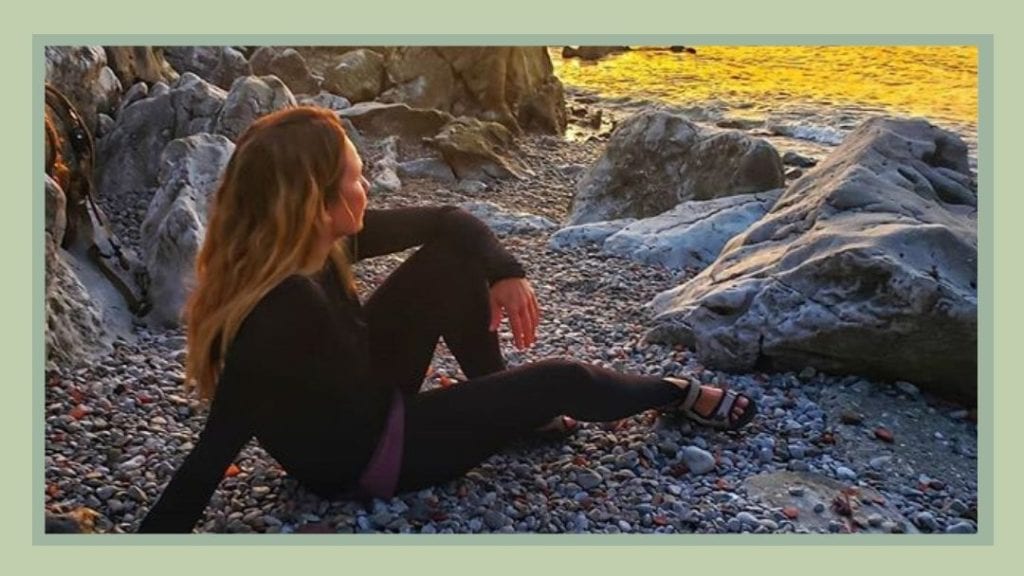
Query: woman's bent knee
[[564, 371]]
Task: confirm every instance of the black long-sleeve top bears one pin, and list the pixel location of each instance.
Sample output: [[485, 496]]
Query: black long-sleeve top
[[296, 376]]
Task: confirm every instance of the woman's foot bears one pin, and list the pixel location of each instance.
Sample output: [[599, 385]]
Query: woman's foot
[[714, 407]]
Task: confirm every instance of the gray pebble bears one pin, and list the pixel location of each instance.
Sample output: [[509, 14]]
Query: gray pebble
[[926, 520], [962, 527], [697, 461], [844, 473]]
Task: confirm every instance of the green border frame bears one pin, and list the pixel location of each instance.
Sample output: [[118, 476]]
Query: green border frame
[[986, 268]]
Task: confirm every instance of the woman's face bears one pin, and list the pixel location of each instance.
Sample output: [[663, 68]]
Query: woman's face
[[347, 213]]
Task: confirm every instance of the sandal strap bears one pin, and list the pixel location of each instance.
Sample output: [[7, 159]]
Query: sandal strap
[[692, 393], [725, 405]]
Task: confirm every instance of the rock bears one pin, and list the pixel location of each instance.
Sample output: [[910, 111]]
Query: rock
[[698, 461], [137, 494], [851, 417], [844, 473], [588, 479], [962, 527], [740, 124], [880, 462], [139, 91], [479, 150], [433, 168], [129, 157], [291, 68], [691, 234], [358, 76], [884, 434], [656, 159], [55, 205], [503, 223], [794, 159], [133, 64], [250, 98], [807, 374], [593, 234], [77, 326], [219, 65], [927, 521], [325, 100], [379, 119], [495, 520], [514, 86], [876, 250], [592, 52], [175, 222], [82, 75], [471, 187], [907, 388]]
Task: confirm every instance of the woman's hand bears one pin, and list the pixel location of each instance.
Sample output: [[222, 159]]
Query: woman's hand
[[516, 297]]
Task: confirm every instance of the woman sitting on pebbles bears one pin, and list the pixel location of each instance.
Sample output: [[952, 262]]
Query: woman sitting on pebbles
[[280, 343]]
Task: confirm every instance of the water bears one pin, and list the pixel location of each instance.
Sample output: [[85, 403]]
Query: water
[[807, 97]]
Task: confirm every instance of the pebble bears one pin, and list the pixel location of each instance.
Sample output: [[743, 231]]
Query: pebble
[[961, 528], [879, 462], [698, 461], [844, 473], [926, 520], [588, 479]]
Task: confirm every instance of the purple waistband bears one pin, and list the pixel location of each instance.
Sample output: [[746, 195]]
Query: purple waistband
[[380, 477]]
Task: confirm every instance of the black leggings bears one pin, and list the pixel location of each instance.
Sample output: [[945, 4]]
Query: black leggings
[[448, 431]]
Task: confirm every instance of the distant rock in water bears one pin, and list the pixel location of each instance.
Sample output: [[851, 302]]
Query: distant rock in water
[[592, 52], [683, 49]]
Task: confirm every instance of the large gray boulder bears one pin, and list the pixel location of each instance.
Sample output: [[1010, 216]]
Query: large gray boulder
[[128, 159], [219, 65], [358, 76], [288, 65], [82, 75], [74, 322], [175, 222], [657, 159], [867, 266], [251, 97], [691, 235]]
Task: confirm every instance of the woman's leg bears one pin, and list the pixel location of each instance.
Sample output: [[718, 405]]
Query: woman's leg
[[433, 294], [449, 431]]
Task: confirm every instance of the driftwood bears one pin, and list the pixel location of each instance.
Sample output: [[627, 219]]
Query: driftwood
[[69, 161]]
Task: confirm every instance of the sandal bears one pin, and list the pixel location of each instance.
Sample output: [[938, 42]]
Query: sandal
[[721, 416]]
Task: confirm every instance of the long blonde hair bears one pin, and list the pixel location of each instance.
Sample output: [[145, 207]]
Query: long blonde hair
[[264, 224]]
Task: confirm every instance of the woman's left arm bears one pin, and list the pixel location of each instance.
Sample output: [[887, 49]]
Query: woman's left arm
[[386, 231]]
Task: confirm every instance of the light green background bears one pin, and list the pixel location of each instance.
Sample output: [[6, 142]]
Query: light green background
[[791, 20]]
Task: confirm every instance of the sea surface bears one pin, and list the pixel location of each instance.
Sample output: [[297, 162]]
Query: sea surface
[[807, 96]]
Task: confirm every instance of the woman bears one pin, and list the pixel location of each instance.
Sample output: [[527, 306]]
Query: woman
[[280, 343]]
